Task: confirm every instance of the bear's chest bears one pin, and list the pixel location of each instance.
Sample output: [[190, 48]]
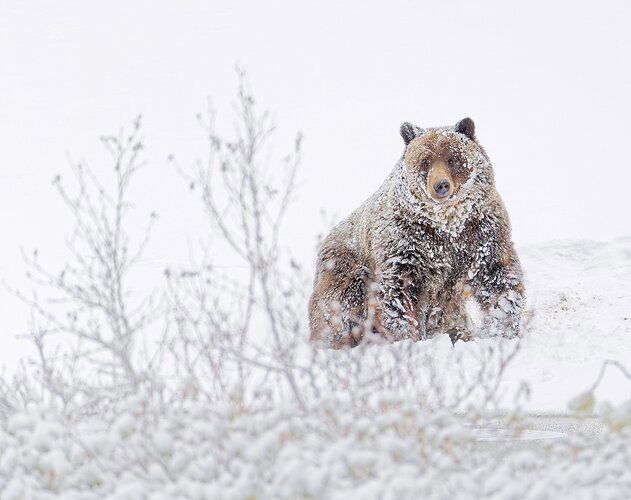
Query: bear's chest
[[436, 255]]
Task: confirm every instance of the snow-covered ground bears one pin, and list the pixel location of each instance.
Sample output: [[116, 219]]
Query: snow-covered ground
[[580, 294], [388, 446]]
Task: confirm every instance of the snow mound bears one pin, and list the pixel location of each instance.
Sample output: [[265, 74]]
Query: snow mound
[[580, 295]]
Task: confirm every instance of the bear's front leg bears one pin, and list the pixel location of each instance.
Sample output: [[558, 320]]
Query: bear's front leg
[[497, 284], [403, 315]]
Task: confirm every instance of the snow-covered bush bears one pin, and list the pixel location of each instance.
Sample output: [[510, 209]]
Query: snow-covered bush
[[385, 447], [208, 389]]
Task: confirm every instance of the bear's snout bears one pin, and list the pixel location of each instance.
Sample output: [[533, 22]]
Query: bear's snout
[[440, 183], [442, 188]]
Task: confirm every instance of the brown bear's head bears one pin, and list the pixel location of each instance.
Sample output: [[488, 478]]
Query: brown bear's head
[[438, 162]]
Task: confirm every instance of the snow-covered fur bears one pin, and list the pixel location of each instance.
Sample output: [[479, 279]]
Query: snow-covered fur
[[404, 263]]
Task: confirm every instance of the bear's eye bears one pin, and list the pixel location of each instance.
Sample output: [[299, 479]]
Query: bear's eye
[[424, 164], [451, 162]]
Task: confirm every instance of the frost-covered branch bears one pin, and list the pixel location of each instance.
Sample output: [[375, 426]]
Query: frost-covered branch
[[88, 304]]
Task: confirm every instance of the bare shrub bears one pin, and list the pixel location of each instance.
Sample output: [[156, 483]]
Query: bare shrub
[[88, 305], [250, 320]]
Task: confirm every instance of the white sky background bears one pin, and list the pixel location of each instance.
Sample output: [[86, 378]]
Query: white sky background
[[547, 84]]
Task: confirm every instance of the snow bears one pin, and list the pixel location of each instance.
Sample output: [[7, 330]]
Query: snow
[[619, 417], [579, 293], [388, 446]]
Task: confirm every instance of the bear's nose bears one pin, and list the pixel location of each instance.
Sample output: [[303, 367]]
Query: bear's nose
[[442, 187]]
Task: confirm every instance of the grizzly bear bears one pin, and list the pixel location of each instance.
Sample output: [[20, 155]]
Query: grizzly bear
[[404, 263]]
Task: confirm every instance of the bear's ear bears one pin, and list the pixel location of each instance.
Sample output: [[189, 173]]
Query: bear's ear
[[466, 127], [409, 132]]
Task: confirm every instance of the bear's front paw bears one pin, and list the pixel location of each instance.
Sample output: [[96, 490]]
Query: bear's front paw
[[402, 326], [456, 334], [504, 316]]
